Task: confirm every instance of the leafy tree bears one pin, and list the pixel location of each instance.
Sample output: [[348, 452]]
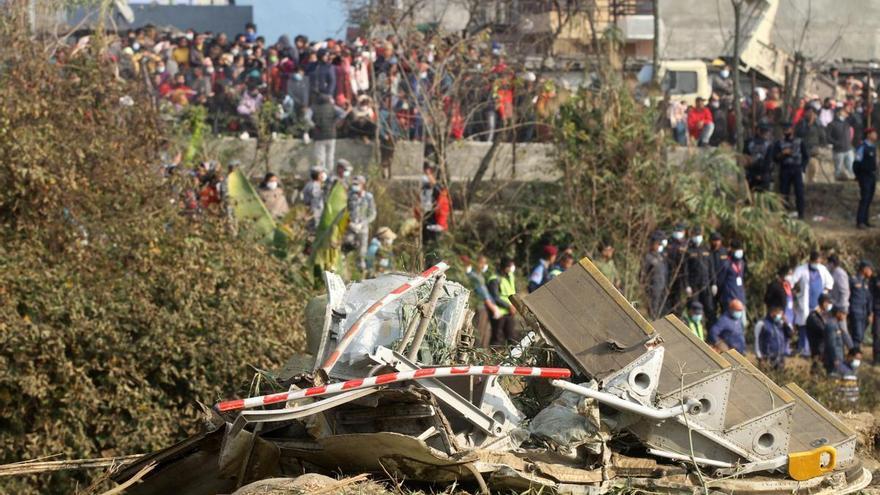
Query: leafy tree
[[117, 312]]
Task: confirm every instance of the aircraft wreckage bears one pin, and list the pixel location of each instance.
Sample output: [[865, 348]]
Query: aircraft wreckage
[[595, 398]]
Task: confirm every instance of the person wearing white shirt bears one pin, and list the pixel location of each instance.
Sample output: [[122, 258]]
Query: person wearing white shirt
[[810, 280]]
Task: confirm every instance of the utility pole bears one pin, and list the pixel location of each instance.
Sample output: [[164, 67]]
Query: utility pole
[[655, 76], [737, 21]]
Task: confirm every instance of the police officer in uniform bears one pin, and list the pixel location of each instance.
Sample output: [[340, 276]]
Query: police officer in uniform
[[700, 273], [676, 254], [875, 325], [865, 169], [861, 304], [759, 173], [718, 253], [655, 276], [791, 154]]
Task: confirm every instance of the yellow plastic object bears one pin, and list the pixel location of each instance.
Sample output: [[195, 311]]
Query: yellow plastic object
[[806, 465]]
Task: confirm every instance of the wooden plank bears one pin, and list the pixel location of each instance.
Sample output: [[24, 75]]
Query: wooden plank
[[582, 313], [752, 394], [813, 423], [684, 352]]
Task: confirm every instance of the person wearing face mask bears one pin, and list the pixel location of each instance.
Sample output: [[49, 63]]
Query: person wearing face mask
[[488, 310], [655, 277], [722, 83], [771, 338], [792, 156], [700, 274], [861, 307], [780, 294], [815, 330], [760, 169], [727, 332], [718, 253], [361, 213], [501, 286], [732, 279], [840, 134], [693, 318], [676, 254], [720, 110], [273, 196], [837, 343], [840, 292], [312, 196], [299, 93], [811, 281], [380, 254]]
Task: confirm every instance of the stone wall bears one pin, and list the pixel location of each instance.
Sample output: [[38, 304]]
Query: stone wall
[[529, 162]]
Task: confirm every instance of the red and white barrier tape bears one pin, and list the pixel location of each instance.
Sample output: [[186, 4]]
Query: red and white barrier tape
[[402, 376], [355, 328]]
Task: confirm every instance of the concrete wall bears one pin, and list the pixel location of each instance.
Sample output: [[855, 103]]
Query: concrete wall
[[838, 29], [531, 161]]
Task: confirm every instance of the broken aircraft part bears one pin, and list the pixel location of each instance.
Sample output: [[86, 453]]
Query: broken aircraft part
[[693, 418]]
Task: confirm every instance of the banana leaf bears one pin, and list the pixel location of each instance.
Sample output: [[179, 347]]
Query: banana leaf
[[327, 250], [253, 217]]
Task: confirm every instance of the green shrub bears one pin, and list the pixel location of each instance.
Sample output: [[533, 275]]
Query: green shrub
[[117, 313]]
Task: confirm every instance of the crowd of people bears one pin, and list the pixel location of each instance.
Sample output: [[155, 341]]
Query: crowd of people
[[371, 247], [816, 310], [378, 88], [386, 88], [785, 147]]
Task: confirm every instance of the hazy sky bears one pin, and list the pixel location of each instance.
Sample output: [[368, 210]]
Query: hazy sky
[[317, 19]]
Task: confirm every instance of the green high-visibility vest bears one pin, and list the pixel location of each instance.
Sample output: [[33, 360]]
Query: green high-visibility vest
[[506, 288], [695, 327]]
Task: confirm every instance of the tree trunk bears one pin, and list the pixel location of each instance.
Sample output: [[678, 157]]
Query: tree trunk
[[737, 20], [655, 76], [801, 80], [487, 160]]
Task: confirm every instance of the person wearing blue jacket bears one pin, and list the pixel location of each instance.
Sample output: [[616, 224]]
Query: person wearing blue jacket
[[861, 303], [727, 332], [837, 343], [731, 279], [772, 338], [322, 76]]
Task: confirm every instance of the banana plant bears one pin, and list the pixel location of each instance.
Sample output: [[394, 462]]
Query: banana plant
[[253, 216]]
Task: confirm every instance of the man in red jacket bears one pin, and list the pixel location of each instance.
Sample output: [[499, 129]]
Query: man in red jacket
[[700, 123]]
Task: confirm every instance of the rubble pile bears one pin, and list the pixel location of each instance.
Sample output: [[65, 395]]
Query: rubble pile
[[391, 385]]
